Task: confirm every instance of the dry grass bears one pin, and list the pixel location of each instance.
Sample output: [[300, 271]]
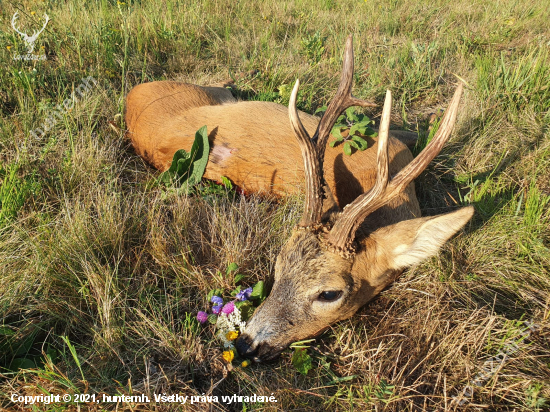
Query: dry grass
[[92, 249]]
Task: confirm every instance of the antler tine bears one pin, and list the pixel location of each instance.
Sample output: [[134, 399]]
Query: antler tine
[[420, 162], [342, 234], [352, 216], [13, 20], [341, 101], [314, 196]]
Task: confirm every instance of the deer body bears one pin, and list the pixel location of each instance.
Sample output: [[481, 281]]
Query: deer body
[[361, 225], [251, 142]]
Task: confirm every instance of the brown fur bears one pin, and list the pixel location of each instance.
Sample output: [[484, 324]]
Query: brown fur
[[252, 144]]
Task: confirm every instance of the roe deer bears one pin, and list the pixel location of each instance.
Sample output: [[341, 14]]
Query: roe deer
[[335, 261]]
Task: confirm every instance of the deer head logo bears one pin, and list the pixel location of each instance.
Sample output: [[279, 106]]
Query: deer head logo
[[29, 40]]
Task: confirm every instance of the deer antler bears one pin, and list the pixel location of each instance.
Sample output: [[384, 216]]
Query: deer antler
[[13, 20], [342, 234], [313, 149], [35, 34]]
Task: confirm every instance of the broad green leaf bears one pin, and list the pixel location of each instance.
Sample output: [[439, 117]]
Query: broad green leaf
[[340, 119], [353, 129], [246, 308], [212, 319], [337, 134], [321, 109], [362, 127], [258, 291], [361, 143], [347, 148], [21, 363], [187, 169], [199, 156], [353, 144], [350, 114], [171, 174], [238, 278], [302, 361], [232, 267]]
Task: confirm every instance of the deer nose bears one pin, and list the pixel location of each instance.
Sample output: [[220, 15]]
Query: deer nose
[[244, 347]]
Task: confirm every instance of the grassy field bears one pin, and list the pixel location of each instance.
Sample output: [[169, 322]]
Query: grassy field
[[102, 270]]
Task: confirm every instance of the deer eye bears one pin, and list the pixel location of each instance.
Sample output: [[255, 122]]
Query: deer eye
[[330, 295]]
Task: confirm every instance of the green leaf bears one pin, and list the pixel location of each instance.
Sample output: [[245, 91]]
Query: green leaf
[[217, 292], [187, 169], [246, 308], [350, 114], [340, 119], [361, 143], [353, 144], [212, 319], [199, 156], [336, 133], [353, 129], [5, 331], [237, 290], [347, 148], [258, 291], [227, 183], [302, 361], [21, 363], [361, 128], [232, 267], [321, 109], [238, 278]]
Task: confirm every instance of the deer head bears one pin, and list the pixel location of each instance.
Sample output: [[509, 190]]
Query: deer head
[[331, 265], [29, 40]]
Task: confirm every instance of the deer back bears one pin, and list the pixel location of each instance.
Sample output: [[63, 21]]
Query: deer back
[[252, 143]]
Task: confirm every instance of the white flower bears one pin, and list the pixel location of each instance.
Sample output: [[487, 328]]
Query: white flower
[[229, 323]]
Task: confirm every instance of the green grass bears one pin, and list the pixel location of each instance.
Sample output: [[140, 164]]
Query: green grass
[[102, 271]]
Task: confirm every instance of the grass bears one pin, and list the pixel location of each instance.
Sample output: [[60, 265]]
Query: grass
[[102, 271]]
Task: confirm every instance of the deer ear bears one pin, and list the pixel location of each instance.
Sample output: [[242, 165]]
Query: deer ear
[[409, 242]]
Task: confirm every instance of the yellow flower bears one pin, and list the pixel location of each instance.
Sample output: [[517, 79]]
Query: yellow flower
[[8, 47], [245, 364], [228, 356], [33, 13], [232, 335]]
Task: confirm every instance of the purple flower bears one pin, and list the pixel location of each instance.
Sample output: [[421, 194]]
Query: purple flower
[[216, 300], [228, 308], [216, 309], [202, 316], [244, 294]]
